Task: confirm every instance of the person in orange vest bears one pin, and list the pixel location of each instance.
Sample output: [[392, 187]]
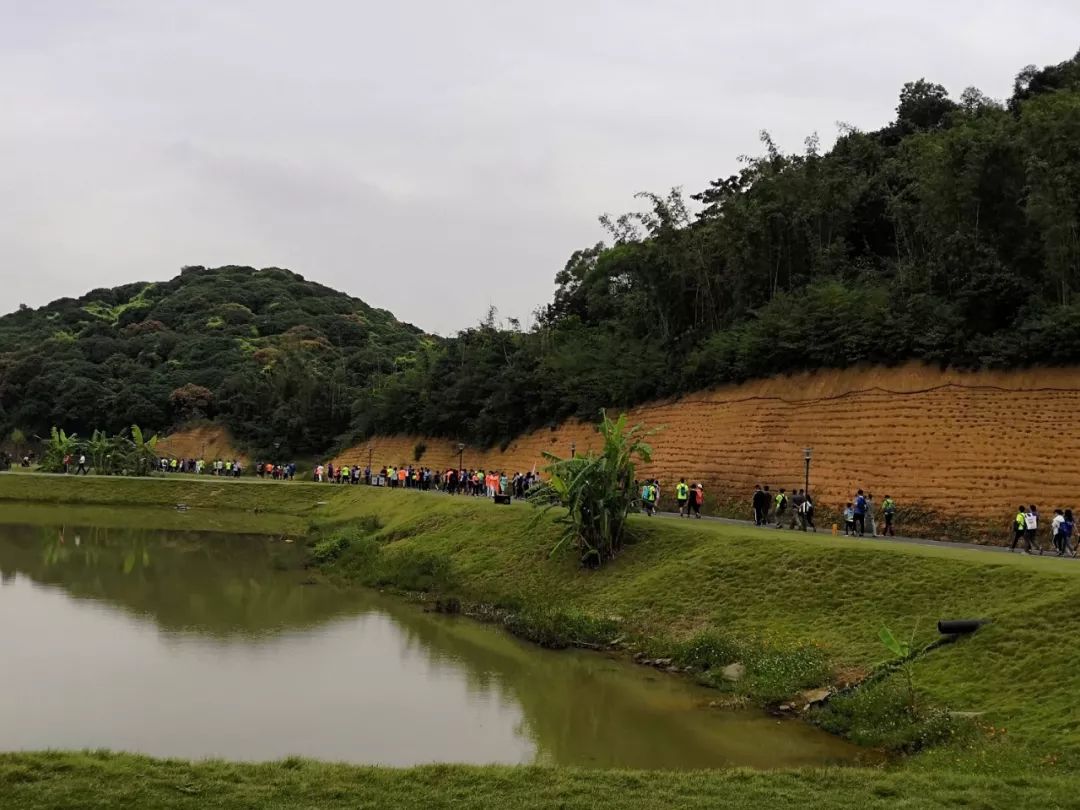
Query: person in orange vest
[[401, 477]]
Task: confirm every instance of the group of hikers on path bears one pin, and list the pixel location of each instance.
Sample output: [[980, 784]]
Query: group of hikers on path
[[768, 507], [688, 497], [453, 482], [1025, 526]]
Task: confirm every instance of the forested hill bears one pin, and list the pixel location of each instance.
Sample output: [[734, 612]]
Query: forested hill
[[950, 235], [275, 357]]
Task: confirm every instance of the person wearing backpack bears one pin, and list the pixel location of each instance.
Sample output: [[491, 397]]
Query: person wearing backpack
[[859, 513], [682, 496], [1067, 528], [888, 509], [1055, 531], [781, 503], [760, 504], [1031, 530], [648, 498]]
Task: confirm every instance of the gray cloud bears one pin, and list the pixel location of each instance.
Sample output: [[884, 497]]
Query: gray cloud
[[431, 158]]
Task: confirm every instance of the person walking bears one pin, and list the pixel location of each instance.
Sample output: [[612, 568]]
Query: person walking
[[859, 513], [648, 498], [1031, 530], [768, 501], [1019, 524], [870, 514], [781, 503], [797, 498], [1068, 526], [697, 497], [808, 513], [849, 520], [1055, 531], [682, 496], [888, 509], [83, 467], [760, 504]]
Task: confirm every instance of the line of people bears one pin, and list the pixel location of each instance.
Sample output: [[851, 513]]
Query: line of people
[[1025, 525], [476, 483]]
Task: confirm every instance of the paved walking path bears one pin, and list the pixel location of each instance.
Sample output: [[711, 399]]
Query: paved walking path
[[1048, 552], [916, 541]]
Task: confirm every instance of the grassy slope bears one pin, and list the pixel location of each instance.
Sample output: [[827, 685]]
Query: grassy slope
[[1023, 671]]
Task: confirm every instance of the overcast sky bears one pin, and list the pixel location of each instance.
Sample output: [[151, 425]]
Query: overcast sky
[[430, 157]]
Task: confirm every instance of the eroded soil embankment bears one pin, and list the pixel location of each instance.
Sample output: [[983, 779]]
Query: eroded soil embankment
[[950, 446]]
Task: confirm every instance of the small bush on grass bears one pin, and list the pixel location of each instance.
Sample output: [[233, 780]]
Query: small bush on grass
[[880, 715], [330, 548], [558, 629]]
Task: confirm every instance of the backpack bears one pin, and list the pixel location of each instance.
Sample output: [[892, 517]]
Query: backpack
[[647, 492]]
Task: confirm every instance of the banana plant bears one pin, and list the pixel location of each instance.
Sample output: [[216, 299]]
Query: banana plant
[[596, 490], [142, 453], [59, 445]]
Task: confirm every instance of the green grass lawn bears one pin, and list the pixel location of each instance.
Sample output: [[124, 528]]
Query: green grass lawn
[[777, 590], [88, 780]]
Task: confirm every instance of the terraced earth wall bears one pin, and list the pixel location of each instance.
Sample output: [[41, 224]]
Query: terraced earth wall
[[957, 450]]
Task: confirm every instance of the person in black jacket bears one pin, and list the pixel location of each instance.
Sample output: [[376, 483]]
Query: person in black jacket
[[760, 503]]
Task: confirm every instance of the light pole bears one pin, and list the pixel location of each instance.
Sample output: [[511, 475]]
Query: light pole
[[460, 455], [808, 453], [573, 449], [367, 473]]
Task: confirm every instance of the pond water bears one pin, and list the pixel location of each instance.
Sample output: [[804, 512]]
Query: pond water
[[184, 643]]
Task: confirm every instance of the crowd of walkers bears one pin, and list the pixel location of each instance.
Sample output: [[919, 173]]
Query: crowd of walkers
[[1025, 526], [860, 516], [477, 483]]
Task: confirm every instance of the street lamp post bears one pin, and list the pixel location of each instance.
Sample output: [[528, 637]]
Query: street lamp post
[[807, 455], [573, 449], [370, 452], [460, 455]]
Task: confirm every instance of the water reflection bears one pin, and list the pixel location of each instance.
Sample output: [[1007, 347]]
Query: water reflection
[[195, 645]]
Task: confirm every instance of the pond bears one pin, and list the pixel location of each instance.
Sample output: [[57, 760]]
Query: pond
[[194, 644]]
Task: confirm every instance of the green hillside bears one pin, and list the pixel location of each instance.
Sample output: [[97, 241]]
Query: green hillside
[[275, 357], [951, 235]]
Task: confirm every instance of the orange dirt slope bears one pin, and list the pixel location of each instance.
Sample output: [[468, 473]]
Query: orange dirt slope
[[947, 445], [208, 442]]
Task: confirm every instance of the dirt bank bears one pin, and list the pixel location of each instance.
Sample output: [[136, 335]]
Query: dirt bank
[[969, 445]]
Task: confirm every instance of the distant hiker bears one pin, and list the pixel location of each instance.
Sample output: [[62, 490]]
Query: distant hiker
[[849, 520], [870, 514], [697, 495], [82, 468], [648, 498], [808, 513], [682, 494], [860, 512], [1055, 531], [797, 498], [888, 509], [780, 502], [768, 505], [1019, 525], [1031, 529], [67, 464], [1068, 528], [760, 504]]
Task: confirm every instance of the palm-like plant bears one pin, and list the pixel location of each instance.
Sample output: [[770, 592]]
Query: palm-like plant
[[142, 453], [597, 490], [59, 445], [103, 451]]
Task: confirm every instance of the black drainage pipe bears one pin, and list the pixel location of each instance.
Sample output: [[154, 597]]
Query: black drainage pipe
[[958, 627]]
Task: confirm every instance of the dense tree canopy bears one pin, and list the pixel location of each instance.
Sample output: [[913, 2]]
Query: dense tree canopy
[[951, 235], [278, 359]]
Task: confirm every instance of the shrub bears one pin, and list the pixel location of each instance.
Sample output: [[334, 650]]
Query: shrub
[[880, 715], [558, 629]]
